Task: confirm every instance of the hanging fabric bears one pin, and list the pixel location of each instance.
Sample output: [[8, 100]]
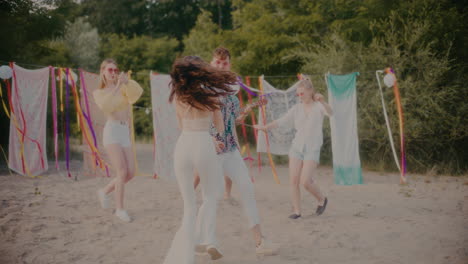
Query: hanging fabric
[[279, 102], [345, 144], [166, 129], [28, 112]]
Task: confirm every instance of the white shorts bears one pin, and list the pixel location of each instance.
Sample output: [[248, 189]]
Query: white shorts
[[116, 132], [305, 153]]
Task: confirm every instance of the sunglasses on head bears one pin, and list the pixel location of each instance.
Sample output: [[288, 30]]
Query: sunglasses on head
[[115, 71]]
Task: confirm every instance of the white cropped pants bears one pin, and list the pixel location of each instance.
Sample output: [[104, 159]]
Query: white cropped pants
[[195, 151], [233, 167]]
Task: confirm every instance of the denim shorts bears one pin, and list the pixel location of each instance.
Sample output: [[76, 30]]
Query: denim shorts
[[305, 154]]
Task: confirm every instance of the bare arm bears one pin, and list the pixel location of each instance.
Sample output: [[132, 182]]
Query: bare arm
[[326, 106], [218, 121], [179, 118], [244, 111], [288, 116], [243, 114], [270, 125]]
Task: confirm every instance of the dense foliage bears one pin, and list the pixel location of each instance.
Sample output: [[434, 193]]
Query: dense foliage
[[423, 40]]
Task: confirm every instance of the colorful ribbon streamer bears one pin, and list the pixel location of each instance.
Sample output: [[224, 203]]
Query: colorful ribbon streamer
[[263, 110], [246, 88], [3, 103], [67, 123], [61, 88], [90, 139], [244, 134], [396, 92], [252, 116], [54, 114], [87, 115]]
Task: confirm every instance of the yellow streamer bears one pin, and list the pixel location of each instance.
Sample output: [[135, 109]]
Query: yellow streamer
[[85, 131], [61, 88], [270, 158], [4, 105], [6, 159]]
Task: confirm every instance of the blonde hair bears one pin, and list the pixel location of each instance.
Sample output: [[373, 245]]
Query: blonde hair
[[306, 82], [102, 78]]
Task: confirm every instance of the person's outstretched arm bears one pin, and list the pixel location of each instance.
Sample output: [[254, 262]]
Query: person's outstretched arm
[[328, 110], [285, 118]]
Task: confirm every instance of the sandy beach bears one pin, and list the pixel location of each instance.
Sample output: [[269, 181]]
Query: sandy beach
[[378, 222]]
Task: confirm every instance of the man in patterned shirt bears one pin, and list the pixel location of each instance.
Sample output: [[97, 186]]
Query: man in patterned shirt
[[233, 164]]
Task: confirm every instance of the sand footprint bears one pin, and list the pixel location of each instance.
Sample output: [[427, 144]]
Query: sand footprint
[[38, 228]]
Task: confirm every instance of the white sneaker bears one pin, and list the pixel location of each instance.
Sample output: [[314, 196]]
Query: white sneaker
[[213, 252], [103, 199], [266, 248], [123, 215]]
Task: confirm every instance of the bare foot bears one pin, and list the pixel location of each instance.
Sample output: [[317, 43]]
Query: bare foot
[[230, 200]]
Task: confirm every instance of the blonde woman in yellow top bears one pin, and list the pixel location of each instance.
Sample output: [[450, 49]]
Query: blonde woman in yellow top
[[115, 97]]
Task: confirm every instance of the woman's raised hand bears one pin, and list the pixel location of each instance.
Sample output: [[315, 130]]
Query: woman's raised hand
[[318, 97], [123, 78]]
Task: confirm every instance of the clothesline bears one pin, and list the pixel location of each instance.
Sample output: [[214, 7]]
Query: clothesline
[[148, 109], [251, 76], [85, 122]]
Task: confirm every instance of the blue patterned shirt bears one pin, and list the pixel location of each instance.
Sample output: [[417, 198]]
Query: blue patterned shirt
[[230, 111]]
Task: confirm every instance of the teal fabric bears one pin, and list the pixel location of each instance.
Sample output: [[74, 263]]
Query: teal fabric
[[342, 86], [343, 124], [347, 175]]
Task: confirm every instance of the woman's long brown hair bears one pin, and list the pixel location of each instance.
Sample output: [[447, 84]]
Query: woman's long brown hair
[[198, 84]]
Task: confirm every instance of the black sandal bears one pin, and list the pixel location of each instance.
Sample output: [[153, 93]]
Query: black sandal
[[321, 208], [294, 216]]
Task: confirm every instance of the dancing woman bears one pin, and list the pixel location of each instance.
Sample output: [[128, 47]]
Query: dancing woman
[[197, 106], [304, 154], [114, 97]]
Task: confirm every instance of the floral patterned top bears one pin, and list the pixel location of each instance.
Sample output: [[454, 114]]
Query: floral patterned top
[[230, 111]]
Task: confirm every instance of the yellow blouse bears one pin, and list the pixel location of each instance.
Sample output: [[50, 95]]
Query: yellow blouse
[[110, 102]]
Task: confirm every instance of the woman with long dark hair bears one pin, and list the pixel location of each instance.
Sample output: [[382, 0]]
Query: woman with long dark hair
[[196, 88]]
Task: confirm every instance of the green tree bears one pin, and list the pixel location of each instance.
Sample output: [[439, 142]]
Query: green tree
[[111, 16], [83, 42], [203, 38], [171, 18], [25, 27], [435, 130]]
